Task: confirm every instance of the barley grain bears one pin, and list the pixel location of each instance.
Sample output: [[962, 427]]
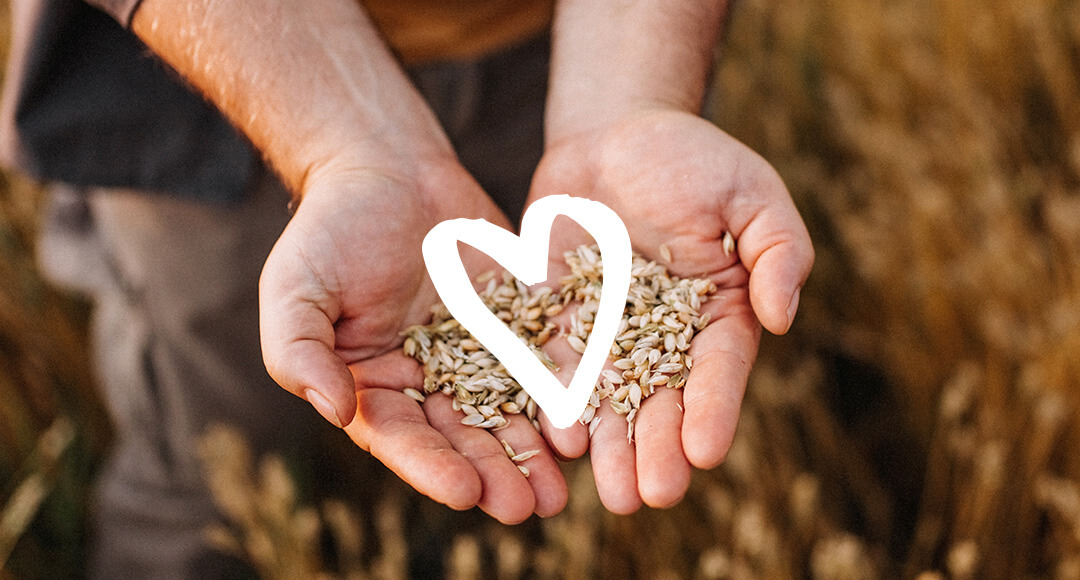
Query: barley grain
[[659, 321], [665, 253]]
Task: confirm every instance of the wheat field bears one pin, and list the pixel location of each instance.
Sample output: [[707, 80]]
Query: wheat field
[[919, 421]]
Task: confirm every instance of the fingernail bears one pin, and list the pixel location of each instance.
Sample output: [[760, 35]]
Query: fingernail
[[323, 406], [792, 307]]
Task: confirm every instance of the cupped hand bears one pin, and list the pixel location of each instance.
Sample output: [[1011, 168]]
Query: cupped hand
[[677, 180], [343, 281]]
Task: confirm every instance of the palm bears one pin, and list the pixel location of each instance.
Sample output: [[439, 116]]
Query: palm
[[342, 283], [676, 180]]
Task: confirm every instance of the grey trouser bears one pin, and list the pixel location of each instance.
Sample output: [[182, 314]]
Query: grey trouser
[[175, 332]]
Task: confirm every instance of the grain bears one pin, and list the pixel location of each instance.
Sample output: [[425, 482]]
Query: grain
[[665, 253], [661, 316], [525, 456], [729, 244]]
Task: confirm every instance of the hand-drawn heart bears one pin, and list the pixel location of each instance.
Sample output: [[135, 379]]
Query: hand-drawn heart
[[526, 257]]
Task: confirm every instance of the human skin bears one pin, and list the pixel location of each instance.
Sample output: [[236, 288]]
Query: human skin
[[315, 89], [622, 127]]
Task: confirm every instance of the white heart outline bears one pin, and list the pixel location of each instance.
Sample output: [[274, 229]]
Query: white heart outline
[[526, 257]]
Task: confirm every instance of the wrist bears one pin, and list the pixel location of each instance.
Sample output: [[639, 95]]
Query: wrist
[[613, 61], [416, 166], [431, 188]]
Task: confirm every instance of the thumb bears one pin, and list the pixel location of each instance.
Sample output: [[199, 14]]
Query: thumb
[[776, 249], [298, 349]]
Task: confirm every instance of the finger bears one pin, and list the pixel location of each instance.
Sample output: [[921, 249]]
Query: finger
[[394, 429], [776, 249], [505, 493], [311, 370], [614, 464], [662, 469], [573, 441], [568, 443], [723, 353], [545, 477], [297, 337]]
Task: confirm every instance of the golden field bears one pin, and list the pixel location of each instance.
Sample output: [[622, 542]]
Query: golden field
[[919, 421]]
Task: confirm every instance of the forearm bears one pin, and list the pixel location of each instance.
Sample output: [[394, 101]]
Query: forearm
[[310, 83], [611, 58]]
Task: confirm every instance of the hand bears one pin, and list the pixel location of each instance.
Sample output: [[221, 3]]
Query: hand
[[676, 179], [342, 282]]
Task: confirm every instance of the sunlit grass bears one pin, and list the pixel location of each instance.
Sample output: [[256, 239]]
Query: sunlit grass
[[920, 418]]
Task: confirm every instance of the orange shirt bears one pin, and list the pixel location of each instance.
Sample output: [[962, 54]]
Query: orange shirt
[[431, 30]]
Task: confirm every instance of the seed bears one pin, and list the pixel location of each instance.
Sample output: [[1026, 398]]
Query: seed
[[587, 414], [506, 447], [665, 253], [525, 455], [648, 341], [415, 394], [729, 243], [476, 355], [658, 379], [524, 470], [472, 420], [658, 323], [703, 321], [592, 426], [614, 377], [510, 407], [493, 423]]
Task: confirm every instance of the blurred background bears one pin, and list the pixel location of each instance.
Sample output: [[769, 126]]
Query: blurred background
[[919, 421]]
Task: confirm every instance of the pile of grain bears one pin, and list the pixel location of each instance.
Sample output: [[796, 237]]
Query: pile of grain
[[661, 316]]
